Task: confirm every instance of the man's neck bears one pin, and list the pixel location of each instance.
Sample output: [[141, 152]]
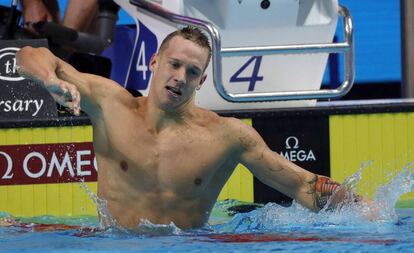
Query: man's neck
[[158, 118]]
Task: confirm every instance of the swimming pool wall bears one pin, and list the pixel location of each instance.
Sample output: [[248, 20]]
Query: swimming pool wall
[[331, 140]]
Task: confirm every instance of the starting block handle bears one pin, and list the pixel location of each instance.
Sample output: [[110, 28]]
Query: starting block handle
[[346, 47]]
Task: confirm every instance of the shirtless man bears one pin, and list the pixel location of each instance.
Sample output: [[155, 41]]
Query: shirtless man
[[161, 157]]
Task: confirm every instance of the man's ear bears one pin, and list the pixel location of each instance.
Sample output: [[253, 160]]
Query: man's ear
[[153, 61], [202, 80]]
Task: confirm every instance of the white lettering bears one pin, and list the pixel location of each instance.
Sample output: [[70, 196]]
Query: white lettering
[[294, 153], [18, 106], [38, 106], [298, 155], [27, 103], [141, 61], [54, 163], [22, 105], [8, 65], [285, 155], [8, 106], [14, 65], [8, 174], [26, 168], [301, 155], [311, 156], [293, 156], [7, 55], [80, 162]]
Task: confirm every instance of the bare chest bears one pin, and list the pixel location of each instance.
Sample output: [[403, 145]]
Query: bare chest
[[180, 161]]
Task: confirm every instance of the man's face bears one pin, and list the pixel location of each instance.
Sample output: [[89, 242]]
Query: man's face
[[177, 72]]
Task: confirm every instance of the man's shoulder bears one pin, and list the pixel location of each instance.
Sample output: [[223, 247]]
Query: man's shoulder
[[229, 126], [214, 119]]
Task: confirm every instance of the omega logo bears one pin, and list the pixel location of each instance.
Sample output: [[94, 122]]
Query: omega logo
[[46, 167], [294, 141], [293, 153]]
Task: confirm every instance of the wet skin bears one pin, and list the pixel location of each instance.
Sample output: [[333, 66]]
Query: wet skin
[[161, 157]]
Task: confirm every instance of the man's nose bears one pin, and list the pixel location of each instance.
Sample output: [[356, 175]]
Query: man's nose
[[180, 75]]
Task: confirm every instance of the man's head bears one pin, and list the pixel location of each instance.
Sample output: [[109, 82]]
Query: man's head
[[192, 34], [178, 68]]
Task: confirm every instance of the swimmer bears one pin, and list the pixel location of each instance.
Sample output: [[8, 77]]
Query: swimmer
[[82, 231], [7, 222], [161, 157]]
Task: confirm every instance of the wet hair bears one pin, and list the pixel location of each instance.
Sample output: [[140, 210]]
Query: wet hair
[[192, 34]]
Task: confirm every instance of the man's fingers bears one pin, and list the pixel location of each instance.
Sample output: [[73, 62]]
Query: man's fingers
[[74, 108], [72, 97], [75, 99], [72, 91], [65, 94]]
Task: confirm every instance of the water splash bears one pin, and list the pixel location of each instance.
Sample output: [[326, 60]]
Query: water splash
[[145, 227], [351, 213], [273, 217], [387, 195], [106, 221]]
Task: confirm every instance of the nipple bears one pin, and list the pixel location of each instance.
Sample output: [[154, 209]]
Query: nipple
[[124, 165], [198, 181]]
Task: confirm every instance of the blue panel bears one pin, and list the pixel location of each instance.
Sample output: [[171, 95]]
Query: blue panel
[[146, 46], [377, 39], [120, 52]]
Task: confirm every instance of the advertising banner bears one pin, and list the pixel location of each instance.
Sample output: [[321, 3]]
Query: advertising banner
[[19, 97]]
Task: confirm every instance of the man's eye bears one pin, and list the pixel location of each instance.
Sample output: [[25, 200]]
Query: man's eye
[[193, 72], [175, 65]]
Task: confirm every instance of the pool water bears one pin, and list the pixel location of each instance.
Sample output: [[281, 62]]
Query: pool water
[[266, 229], [242, 233]]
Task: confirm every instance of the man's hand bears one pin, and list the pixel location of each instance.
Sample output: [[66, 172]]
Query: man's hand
[[330, 195], [37, 10], [64, 93], [41, 66]]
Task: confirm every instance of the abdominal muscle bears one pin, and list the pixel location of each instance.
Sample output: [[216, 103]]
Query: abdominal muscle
[[132, 198], [159, 208]]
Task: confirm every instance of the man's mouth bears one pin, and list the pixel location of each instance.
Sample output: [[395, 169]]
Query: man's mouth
[[174, 90]]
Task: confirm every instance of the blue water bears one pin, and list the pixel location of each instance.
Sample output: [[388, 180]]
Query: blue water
[[288, 235], [267, 229]]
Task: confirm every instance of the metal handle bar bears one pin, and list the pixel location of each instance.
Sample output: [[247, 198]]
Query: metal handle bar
[[346, 47]]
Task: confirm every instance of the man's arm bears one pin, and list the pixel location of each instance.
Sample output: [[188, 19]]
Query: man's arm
[[65, 83], [309, 189], [80, 15]]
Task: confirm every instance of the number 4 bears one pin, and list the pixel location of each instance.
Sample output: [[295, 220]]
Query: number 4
[[255, 74], [141, 61]]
